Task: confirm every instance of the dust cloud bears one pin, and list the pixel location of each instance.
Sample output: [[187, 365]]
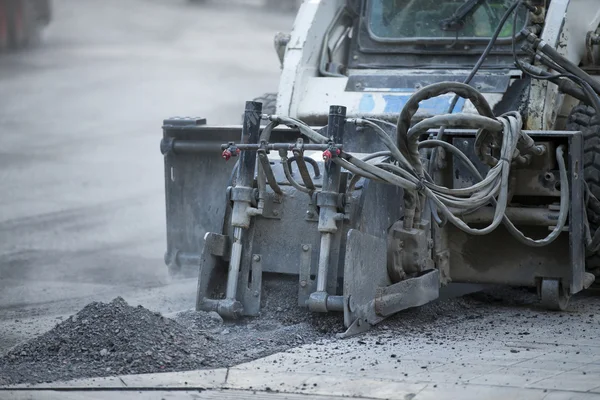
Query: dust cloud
[[82, 216]]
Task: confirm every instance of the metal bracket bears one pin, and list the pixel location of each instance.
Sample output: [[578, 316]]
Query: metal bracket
[[273, 206], [409, 293], [370, 296], [307, 285], [357, 327], [250, 286], [365, 269], [215, 246], [311, 214], [213, 269], [329, 199]]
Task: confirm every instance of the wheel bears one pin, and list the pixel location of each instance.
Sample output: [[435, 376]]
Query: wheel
[[582, 119], [553, 295]]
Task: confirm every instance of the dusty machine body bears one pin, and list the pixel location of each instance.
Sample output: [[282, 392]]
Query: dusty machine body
[[348, 185]]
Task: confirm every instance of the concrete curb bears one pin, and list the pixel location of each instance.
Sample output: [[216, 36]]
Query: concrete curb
[[239, 383]]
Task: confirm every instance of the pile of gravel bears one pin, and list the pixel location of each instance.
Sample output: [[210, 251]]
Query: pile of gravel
[[105, 339]]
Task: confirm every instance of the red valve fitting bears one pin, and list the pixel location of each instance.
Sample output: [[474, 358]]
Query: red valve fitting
[[228, 153], [330, 153]]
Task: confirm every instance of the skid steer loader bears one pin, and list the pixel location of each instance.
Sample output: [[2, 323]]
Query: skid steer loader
[[412, 143]]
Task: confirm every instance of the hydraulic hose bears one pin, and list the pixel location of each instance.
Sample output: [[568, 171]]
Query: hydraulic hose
[[288, 173], [410, 148], [493, 188], [400, 165], [484, 55], [562, 61]]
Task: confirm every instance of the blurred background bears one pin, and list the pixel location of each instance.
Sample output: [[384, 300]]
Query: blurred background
[[81, 175]]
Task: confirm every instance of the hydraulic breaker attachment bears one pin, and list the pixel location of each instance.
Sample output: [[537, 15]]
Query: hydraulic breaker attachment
[[366, 232], [329, 219], [243, 199]]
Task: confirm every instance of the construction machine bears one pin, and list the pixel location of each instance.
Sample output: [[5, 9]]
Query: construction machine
[[411, 144]]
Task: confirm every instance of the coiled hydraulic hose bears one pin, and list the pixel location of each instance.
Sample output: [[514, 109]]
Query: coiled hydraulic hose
[[401, 165]]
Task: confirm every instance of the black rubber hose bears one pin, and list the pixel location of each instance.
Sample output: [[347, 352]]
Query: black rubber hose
[[409, 148], [563, 62], [476, 68], [434, 90], [312, 162]]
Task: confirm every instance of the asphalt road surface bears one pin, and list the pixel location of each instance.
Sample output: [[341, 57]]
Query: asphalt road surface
[[81, 174]]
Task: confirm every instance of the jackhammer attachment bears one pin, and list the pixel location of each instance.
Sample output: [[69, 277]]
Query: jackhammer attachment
[[354, 217], [321, 231]]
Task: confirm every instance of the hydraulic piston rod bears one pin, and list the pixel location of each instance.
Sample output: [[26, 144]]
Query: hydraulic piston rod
[[234, 264], [242, 196], [328, 216]]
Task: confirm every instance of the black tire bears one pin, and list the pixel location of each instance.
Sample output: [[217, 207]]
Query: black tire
[[582, 119]]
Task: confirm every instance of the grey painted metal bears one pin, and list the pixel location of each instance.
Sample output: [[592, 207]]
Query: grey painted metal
[[370, 295], [250, 286], [578, 220], [409, 293], [250, 135], [335, 303], [538, 178], [365, 262], [195, 200], [241, 217], [306, 278], [215, 247], [278, 146], [527, 216], [485, 259]]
